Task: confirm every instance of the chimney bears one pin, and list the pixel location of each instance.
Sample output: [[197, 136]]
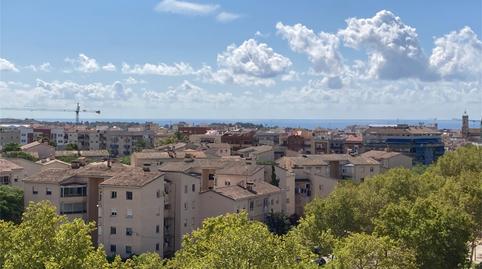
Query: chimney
[[250, 186]]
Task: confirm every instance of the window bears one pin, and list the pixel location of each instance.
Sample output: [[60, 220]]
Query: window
[[129, 213], [128, 250], [34, 191], [73, 208], [113, 212], [193, 187], [158, 193], [157, 229], [128, 195], [73, 191], [113, 195], [129, 231], [113, 230], [371, 169], [185, 206], [157, 247], [185, 188], [251, 205], [5, 180], [113, 248], [211, 177], [48, 191], [185, 222]]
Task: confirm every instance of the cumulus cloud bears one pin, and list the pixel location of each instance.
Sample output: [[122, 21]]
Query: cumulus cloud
[[251, 58], [393, 48], [185, 7], [133, 81], [186, 93], [109, 67], [322, 48], [250, 64], [458, 55], [6, 65], [227, 16], [162, 69], [45, 67], [84, 64], [76, 91]]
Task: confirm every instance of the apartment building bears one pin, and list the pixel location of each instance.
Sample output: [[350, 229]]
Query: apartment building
[[239, 139], [9, 135], [217, 150], [181, 210], [41, 150], [10, 173], [126, 203], [257, 198], [263, 153], [26, 134], [57, 136], [309, 186], [131, 213], [389, 159], [270, 138], [152, 160], [207, 138], [424, 145]]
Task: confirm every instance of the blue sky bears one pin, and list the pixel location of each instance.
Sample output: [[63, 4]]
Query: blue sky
[[243, 59]]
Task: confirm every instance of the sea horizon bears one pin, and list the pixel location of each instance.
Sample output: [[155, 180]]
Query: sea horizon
[[284, 123]]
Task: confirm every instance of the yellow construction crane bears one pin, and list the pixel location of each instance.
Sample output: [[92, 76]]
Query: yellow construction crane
[[77, 110]]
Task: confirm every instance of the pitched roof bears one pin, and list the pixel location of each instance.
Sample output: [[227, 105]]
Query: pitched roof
[[116, 174], [380, 154], [30, 145], [134, 177], [8, 166], [236, 192]]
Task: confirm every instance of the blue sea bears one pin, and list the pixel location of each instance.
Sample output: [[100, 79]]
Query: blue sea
[[297, 123]]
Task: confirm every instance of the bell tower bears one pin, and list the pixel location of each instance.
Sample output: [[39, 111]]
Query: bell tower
[[465, 125]]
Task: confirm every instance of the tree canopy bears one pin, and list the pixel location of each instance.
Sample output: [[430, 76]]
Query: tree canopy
[[11, 203]]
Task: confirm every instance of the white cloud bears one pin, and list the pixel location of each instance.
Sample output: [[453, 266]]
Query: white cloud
[[186, 93], [109, 67], [76, 91], [45, 67], [322, 48], [185, 7], [6, 65], [253, 59], [458, 55], [250, 64], [392, 46], [84, 64], [227, 16], [162, 69], [290, 76], [133, 81]]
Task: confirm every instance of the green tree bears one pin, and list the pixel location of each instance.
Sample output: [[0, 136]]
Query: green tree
[[464, 159], [364, 251], [11, 147], [274, 178], [126, 160], [11, 203], [436, 232], [46, 240], [465, 193], [71, 146], [140, 145], [21, 155], [233, 241], [278, 223], [339, 213]]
